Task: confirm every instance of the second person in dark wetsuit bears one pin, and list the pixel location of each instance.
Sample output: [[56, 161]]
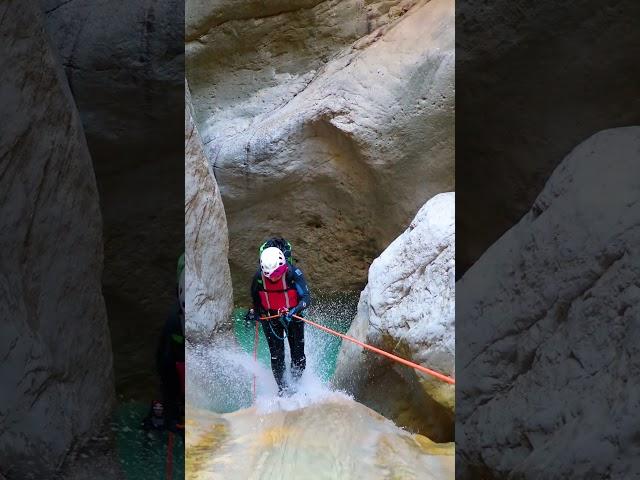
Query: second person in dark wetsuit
[[170, 358], [170, 366], [169, 413], [279, 288]]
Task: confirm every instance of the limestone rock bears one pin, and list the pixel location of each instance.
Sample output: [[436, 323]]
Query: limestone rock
[[408, 308], [328, 124], [532, 311], [208, 282], [337, 438], [202, 15], [56, 367]]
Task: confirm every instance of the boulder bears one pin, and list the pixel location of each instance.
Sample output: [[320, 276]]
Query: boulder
[[329, 124], [549, 317], [336, 438], [56, 367], [209, 297], [408, 308]]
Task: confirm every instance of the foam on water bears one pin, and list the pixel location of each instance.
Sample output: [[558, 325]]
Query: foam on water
[[308, 391], [220, 375]]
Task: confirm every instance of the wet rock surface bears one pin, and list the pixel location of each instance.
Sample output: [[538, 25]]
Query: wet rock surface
[[329, 124], [334, 439], [208, 281], [408, 308]]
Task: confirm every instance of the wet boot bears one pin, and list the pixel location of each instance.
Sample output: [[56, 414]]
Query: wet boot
[[283, 390], [287, 391]]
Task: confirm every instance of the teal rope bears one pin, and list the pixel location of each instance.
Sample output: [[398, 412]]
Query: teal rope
[[276, 335]]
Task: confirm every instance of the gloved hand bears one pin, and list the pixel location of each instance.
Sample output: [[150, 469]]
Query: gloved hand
[[251, 316], [291, 313], [284, 321], [284, 314]]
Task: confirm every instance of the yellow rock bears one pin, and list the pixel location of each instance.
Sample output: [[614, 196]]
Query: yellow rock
[[335, 439]]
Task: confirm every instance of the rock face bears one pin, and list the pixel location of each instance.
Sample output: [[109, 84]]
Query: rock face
[[125, 67], [329, 123], [531, 88], [334, 439], [124, 63], [408, 308], [529, 310], [209, 298], [56, 368]]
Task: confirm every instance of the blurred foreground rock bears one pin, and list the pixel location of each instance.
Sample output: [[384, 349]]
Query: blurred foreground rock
[[55, 348], [552, 311]]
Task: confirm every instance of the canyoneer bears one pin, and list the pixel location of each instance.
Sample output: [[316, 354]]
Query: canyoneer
[[169, 413], [279, 288]]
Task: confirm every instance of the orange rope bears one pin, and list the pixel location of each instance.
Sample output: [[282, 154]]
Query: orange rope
[[255, 357], [168, 469], [395, 358]]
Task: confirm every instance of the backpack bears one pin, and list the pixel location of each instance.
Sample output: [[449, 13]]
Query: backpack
[[280, 243]]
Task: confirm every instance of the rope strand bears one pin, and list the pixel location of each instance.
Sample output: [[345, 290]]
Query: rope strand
[[440, 376]]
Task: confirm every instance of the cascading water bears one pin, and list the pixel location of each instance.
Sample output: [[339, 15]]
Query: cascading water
[[220, 375], [316, 433]]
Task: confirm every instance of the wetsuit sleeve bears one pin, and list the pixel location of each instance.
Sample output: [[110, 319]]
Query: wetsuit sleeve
[[255, 297], [304, 296]]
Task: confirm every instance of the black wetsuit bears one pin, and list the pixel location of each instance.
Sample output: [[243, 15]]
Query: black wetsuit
[[170, 352], [275, 331]]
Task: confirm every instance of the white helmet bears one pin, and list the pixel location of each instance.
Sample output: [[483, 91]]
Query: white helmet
[[270, 259]]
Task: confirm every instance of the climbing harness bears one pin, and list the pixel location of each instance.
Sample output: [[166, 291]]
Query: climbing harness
[[285, 334]]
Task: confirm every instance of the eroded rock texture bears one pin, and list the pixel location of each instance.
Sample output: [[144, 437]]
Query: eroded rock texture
[[552, 311], [330, 123], [208, 281], [408, 308], [55, 352]]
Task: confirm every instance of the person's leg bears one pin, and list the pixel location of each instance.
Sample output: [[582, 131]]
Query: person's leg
[[296, 344], [274, 332]]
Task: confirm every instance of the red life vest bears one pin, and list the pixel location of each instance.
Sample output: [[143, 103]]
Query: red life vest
[[276, 294]]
